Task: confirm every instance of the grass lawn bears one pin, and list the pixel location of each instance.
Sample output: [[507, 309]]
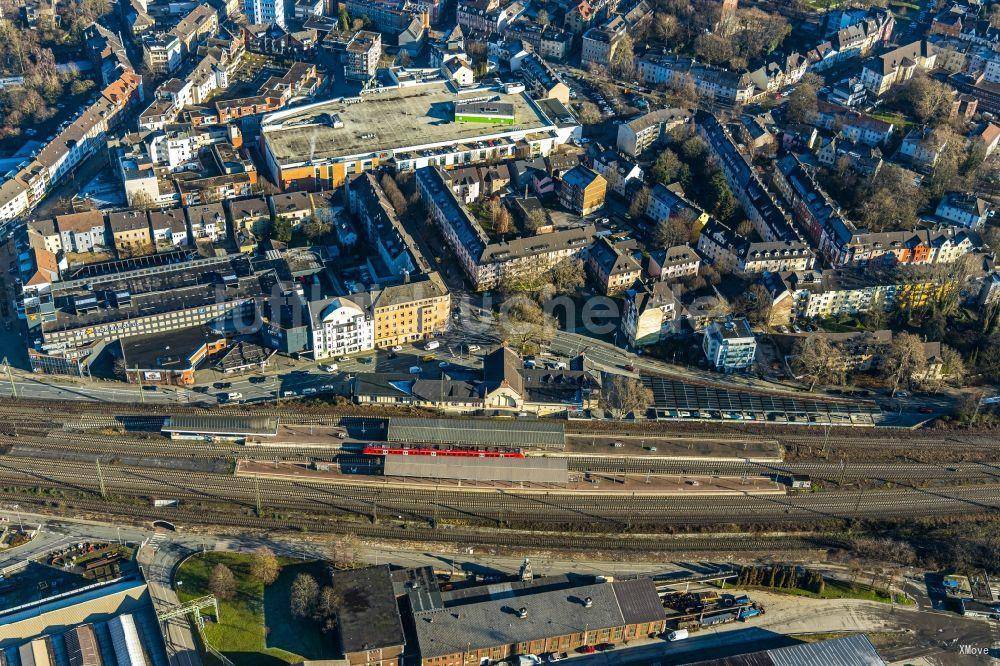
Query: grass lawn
[[894, 118], [838, 589], [240, 635]]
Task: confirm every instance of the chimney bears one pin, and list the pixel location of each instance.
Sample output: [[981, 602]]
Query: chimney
[[522, 612]]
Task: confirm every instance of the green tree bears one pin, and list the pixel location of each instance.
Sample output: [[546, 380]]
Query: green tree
[[669, 168], [344, 19], [281, 230], [720, 198]]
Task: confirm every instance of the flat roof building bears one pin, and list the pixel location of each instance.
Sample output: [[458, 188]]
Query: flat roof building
[[407, 126]]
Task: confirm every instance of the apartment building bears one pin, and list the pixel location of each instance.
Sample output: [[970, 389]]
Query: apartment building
[[81, 232], [582, 190], [639, 134], [760, 206], [488, 262], [665, 203], [732, 253], [76, 139], [341, 326], [881, 73], [394, 16], [162, 53], [262, 12], [651, 314], [716, 85], [612, 269], [362, 55], [729, 345], [672, 263], [414, 310], [130, 232], [964, 209]]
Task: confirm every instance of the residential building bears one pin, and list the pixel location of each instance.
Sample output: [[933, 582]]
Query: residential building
[[623, 175], [922, 146], [853, 125], [732, 253], [488, 262], [362, 55], [964, 209], [651, 314], [79, 138], [665, 203], [161, 53], [639, 134], [369, 627], [130, 232], [416, 309], [613, 269], [769, 220], [169, 228], [599, 44], [394, 16], [341, 326], [672, 263], [208, 222], [265, 11], [47, 231], [715, 85], [729, 345], [881, 73], [82, 232], [543, 81], [582, 190], [251, 215], [382, 229]]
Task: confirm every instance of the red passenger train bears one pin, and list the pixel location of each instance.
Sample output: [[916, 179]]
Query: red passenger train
[[431, 450]]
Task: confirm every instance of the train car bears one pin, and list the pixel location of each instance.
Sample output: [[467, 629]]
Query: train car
[[453, 451]]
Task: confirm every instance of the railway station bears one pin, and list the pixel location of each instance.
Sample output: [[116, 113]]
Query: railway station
[[478, 432], [674, 400], [226, 428], [516, 470]]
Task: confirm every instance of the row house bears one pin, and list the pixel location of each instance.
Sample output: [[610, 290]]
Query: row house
[[853, 125], [778, 74], [75, 140], [715, 84], [732, 253], [760, 206]]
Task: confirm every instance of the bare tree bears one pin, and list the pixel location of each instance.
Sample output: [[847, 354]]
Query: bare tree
[[640, 202], [817, 358], [623, 395], [221, 582], [525, 326], [904, 361], [264, 565], [304, 593]]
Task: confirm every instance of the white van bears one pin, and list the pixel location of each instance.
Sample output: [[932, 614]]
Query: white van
[[232, 396], [678, 635], [433, 344]]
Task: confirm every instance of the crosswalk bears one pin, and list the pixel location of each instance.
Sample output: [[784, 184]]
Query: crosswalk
[[156, 540]]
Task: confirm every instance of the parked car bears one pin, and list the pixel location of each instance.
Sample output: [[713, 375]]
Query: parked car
[[397, 348], [432, 345], [329, 367]]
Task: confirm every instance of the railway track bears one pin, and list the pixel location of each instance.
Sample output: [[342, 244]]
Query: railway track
[[493, 506], [536, 540]]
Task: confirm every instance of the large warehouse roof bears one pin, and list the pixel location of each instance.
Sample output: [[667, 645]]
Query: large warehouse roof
[[478, 432], [531, 469], [397, 119], [221, 425]]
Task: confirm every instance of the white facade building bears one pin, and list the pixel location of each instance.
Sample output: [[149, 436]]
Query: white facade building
[[341, 327]]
